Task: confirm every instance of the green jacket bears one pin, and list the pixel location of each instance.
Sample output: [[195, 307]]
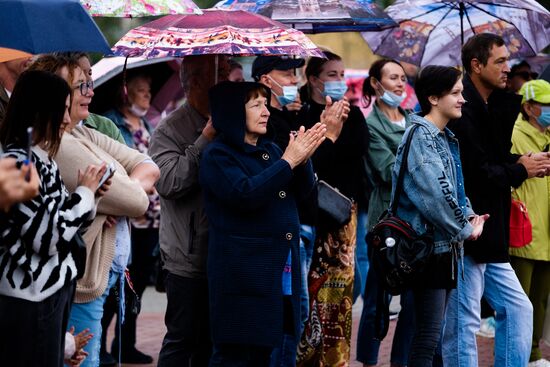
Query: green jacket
[[385, 137], [534, 192], [105, 126]]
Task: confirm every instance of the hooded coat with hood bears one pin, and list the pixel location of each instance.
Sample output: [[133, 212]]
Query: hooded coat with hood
[[250, 199]]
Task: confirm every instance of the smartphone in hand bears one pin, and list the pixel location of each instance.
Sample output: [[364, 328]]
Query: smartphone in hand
[[111, 168]]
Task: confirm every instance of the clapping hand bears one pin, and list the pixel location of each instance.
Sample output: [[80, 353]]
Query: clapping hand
[[537, 164], [303, 144], [333, 116]]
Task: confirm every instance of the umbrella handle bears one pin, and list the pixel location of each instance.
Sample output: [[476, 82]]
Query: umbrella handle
[[461, 10], [124, 86]]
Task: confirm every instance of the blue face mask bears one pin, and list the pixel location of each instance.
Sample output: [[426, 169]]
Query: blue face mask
[[544, 118], [392, 99], [289, 93], [335, 89]]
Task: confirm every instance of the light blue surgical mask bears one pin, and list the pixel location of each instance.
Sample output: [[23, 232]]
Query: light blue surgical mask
[[289, 93], [544, 118], [335, 89], [392, 99]]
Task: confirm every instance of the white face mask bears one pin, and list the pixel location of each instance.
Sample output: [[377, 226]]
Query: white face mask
[[137, 111], [391, 99], [289, 93]]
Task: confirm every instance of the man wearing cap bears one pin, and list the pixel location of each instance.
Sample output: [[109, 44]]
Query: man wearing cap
[[532, 262], [490, 170], [278, 73]]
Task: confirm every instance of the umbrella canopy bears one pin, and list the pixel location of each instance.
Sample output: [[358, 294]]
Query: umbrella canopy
[[8, 54], [139, 8], [215, 32], [40, 26], [316, 16], [433, 31]]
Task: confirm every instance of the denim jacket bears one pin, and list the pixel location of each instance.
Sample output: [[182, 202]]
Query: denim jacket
[[433, 194]]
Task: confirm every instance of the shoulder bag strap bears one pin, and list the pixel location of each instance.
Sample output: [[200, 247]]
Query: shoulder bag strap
[[401, 176]]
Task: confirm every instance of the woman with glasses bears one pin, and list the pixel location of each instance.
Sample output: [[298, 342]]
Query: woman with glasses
[[108, 239]]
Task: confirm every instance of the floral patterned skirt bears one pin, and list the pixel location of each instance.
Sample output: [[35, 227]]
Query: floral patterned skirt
[[326, 340]]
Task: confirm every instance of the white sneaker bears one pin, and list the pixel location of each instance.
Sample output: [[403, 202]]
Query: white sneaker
[[487, 328], [540, 363]]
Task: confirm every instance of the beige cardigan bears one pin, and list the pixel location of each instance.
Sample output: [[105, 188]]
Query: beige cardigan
[[80, 148]]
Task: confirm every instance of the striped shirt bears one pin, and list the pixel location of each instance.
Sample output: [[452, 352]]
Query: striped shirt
[[36, 257]]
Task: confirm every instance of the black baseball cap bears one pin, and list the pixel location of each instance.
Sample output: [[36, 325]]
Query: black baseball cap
[[264, 64]]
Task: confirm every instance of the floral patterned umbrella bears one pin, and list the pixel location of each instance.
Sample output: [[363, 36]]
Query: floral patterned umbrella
[[433, 31], [215, 32], [139, 8]]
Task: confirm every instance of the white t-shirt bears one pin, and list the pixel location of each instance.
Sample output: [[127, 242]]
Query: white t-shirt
[[401, 122]]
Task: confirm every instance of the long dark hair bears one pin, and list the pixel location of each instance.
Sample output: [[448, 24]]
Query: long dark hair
[[375, 72], [314, 68], [38, 101]]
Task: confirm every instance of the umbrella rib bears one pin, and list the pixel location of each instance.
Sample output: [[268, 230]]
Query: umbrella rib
[[451, 7], [504, 5], [505, 21], [468, 19], [425, 13]]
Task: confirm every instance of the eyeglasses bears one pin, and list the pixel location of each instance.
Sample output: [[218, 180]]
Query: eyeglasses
[[85, 87]]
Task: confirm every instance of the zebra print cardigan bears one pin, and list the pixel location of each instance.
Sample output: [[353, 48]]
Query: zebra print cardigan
[[36, 257]]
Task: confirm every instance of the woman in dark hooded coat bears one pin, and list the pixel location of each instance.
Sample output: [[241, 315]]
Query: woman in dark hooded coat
[[250, 190]]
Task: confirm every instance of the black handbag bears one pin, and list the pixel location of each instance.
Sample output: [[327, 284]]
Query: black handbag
[[78, 250], [398, 253], [333, 203]]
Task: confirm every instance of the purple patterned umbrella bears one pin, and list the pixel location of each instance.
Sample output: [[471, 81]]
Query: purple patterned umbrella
[[215, 32], [433, 31]]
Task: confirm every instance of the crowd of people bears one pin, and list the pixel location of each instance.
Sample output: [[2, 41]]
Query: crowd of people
[[227, 188]]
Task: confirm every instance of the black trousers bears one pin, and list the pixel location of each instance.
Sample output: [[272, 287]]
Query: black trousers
[[429, 307], [144, 243], [240, 355], [187, 340], [33, 333]]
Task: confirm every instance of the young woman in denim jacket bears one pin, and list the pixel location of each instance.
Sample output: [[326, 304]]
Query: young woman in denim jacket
[[434, 199]]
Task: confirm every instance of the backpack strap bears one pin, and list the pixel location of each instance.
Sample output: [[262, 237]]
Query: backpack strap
[[402, 169]]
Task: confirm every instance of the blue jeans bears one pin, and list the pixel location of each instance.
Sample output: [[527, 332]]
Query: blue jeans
[[88, 315], [285, 355], [514, 316], [367, 345], [361, 256]]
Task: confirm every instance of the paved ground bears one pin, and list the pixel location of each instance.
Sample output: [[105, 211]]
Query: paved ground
[[151, 331]]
